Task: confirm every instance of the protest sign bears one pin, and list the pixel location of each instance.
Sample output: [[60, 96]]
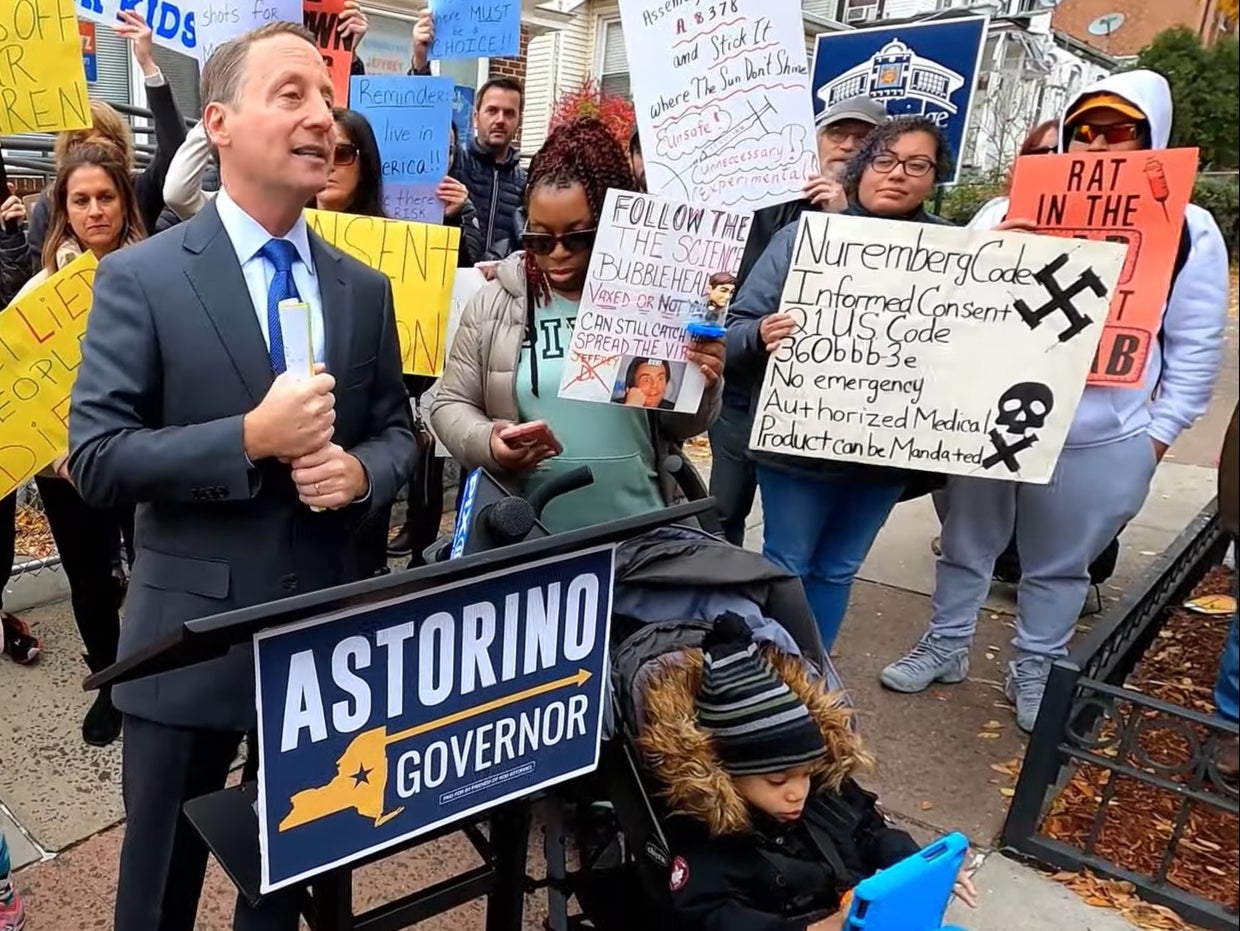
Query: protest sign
[[1135, 198], [463, 112], [468, 29], [722, 99], [657, 264], [382, 723], [171, 21], [933, 347], [420, 261], [221, 20], [42, 75], [411, 117], [916, 69], [40, 336], [322, 17]]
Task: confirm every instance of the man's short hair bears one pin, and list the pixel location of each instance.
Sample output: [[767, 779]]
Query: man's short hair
[[503, 84], [224, 72]]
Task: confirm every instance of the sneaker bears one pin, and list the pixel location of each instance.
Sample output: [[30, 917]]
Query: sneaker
[[102, 723], [1025, 684], [933, 659], [13, 915], [18, 640], [401, 544]]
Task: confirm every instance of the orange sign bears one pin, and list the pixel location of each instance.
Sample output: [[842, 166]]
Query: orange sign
[[1137, 198], [322, 17], [87, 32]]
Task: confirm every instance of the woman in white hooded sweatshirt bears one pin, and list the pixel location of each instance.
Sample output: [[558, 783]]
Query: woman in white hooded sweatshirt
[[1117, 439]]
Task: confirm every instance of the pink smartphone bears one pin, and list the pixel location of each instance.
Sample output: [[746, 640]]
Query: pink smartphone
[[528, 434]]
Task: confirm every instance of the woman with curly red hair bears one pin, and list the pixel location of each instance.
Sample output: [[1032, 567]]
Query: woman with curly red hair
[[506, 362]]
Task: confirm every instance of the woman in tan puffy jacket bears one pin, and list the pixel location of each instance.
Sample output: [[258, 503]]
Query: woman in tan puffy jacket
[[509, 352]]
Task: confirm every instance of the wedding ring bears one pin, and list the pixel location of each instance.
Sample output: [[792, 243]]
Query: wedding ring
[[316, 490]]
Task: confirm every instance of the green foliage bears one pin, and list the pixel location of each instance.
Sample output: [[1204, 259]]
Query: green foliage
[[1221, 196], [965, 198], [1205, 90]]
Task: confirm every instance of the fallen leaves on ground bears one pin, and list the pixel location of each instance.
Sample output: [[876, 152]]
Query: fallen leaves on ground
[[34, 536], [1122, 896], [1139, 820]]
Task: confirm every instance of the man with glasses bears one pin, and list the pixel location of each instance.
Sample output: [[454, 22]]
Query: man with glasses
[[841, 132]]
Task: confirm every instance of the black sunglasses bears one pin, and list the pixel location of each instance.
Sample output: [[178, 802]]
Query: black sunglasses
[[1041, 150], [345, 154], [575, 241]]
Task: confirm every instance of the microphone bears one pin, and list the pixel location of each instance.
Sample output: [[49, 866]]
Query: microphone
[[562, 484], [490, 517]]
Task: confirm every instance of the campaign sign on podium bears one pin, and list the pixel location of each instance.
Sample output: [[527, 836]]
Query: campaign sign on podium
[[378, 724]]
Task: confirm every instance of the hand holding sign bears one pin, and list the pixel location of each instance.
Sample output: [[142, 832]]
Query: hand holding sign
[[423, 36], [294, 419], [138, 32], [329, 478]]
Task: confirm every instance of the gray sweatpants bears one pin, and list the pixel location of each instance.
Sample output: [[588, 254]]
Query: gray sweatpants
[[1061, 527]]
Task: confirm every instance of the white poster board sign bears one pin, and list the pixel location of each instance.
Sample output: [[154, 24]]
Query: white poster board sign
[[657, 265], [934, 348], [221, 20], [722, 96]]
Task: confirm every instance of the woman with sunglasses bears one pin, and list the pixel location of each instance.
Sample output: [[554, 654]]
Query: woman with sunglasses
[[506, 361], [822, 516], [1114, 445]]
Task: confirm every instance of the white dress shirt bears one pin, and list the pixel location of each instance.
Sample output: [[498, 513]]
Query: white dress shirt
[[248, 237]]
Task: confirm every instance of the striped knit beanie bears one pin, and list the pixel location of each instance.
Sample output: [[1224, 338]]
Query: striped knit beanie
[[757, 722]]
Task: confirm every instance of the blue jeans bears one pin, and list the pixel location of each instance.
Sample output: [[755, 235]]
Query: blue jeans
[[1227, 688], [821, 529]]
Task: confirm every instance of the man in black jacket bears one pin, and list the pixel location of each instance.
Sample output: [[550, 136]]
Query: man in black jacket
[[489, 164]]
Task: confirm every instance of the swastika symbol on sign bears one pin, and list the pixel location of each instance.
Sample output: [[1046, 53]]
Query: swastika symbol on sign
[[1061, 299]]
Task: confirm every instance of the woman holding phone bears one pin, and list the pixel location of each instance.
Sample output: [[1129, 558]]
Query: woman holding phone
[[498, 407]]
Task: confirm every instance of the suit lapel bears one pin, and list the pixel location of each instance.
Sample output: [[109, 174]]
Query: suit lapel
[[216, 277], [337, 306]]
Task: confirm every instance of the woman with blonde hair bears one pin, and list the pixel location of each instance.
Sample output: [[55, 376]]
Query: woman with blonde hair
[[95, 209]]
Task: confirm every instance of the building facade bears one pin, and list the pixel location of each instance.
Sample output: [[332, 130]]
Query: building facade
[[1122, 28]]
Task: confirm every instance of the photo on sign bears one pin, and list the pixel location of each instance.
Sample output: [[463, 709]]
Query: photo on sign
[[934, 348], [917, 69], [658, 267]]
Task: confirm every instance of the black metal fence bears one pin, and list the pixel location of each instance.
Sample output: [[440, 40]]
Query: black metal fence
[[1091, 724]]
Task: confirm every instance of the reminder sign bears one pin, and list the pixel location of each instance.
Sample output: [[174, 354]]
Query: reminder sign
[[420, 261], [1134, 198], [934, 348], [322, 17], [722, 99], [382, 723], [40, 350], [657, 265], [42, 75]]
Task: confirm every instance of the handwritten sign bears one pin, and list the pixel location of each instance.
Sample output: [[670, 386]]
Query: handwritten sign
[[412, 119], [463, 98], [42, 75], [468, 29], [40, 337], [1135, 198], [420, 261], [171, 21], [379, 724], [221, 20], [934, 348], [322, 17], [657, 265], [722, 99]]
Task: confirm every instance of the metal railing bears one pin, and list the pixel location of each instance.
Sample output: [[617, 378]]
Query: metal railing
[[1091, 725]]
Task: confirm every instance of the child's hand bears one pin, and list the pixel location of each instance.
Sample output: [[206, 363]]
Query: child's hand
[[964, 889]]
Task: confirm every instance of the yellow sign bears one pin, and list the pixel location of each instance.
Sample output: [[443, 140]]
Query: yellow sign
[[40, 350], [420, 261], [42, 75]]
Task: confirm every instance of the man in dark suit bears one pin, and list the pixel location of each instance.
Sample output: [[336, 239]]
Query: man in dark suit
[[250, 481]]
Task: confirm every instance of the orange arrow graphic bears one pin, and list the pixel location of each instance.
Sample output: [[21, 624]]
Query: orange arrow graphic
[[361, 771]]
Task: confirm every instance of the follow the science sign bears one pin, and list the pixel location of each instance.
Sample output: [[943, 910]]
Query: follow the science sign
[[917, 69], [382, 723]]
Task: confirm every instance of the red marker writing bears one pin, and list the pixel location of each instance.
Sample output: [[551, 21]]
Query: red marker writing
[[1157, 179]]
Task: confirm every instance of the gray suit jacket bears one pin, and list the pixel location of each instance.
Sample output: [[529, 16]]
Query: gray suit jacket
[[173, 359]]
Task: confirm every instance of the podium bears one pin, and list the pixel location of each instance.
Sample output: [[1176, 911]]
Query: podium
[[488, 674]]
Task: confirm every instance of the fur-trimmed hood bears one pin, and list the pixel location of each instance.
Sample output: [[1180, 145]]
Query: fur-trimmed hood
[[681, 755]]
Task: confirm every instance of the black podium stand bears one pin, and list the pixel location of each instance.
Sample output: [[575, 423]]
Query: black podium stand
[[227, 820]]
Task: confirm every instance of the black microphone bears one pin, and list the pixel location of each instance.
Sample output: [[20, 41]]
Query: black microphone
[[562, 484], [490, 517], [507, 521]]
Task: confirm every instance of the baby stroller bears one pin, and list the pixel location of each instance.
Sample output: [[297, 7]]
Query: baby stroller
[[670, 585]]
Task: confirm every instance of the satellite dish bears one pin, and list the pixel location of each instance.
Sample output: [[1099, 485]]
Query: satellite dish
[[1105, 25]]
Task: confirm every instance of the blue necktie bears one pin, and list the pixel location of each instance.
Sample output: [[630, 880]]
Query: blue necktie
[[280, 253]]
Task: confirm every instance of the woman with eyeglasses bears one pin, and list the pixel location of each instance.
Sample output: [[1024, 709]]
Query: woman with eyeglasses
[[1117, 438], [821, 516], [503, 372]]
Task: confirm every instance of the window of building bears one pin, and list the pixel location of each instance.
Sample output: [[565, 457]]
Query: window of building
[[613, 63], [860, 11]]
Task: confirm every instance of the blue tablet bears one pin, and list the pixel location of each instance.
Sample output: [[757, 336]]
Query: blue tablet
[[913, 894]]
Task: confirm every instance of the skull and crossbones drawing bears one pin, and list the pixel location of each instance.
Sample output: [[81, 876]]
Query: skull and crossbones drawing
[[1023, 409]]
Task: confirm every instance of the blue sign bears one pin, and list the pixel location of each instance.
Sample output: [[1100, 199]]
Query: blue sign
[[463, 112], [379, 724], [469, 29], [90, 58], [411, 116], [924, 69], [172, 23]]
